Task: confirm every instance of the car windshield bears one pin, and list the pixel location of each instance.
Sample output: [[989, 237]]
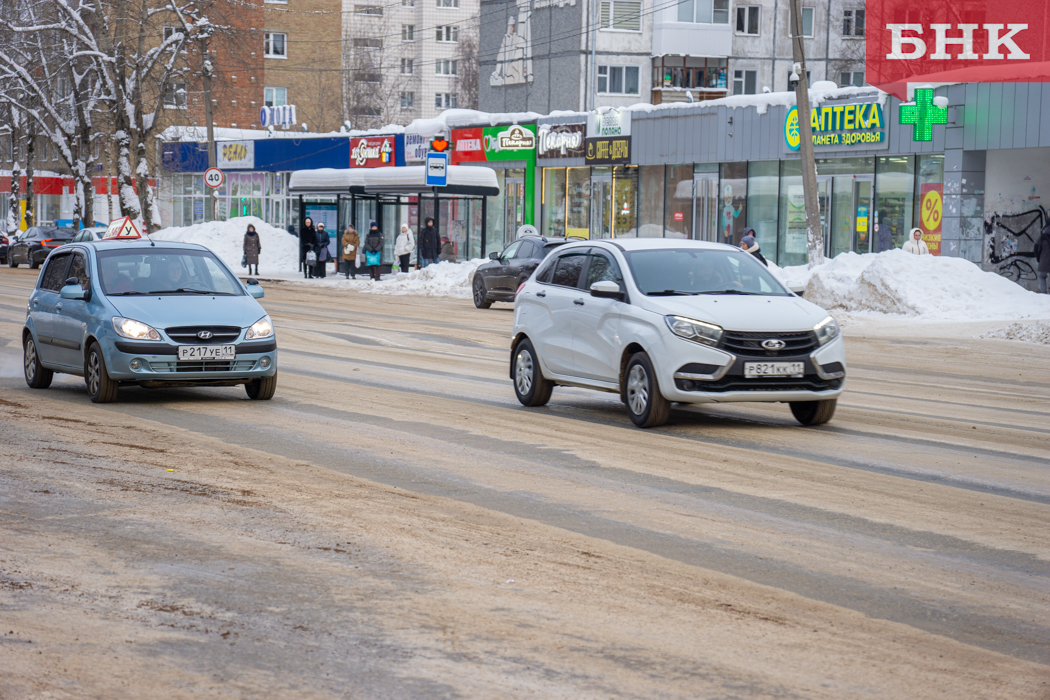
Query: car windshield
[[678, 271], [164, 271]]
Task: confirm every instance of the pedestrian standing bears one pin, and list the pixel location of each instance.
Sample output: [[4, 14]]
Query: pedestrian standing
[[374, 250], [321, 269], [429, 244], [749, 244], [307, 240], [404, 245], [915, 244], [351, 251], [1042, 258], [252, 248], [448, 251]]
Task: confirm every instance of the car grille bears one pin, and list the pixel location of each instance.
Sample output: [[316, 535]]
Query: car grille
[[797, 343], [208, 366], [810, 382], [187, 335]]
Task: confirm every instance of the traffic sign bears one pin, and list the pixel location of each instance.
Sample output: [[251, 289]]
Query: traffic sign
[[213, 178], [437, 169]]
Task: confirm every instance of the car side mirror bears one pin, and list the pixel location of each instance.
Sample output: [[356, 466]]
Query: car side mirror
[[607, 289], [799, 289], [493, 256], [254, 289], [73, 290]]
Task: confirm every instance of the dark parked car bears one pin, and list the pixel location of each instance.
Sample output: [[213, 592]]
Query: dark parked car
[[34, 244], [3, 248], [499, 279]]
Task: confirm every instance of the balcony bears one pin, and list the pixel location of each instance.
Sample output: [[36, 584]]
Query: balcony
[[692, 39]]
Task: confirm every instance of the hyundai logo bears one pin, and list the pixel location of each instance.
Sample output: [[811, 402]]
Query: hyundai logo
[[773, 344], [205, 335]]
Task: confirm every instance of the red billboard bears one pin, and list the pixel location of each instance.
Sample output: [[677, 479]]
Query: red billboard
[[468, 145], [955, 41], [372, 151]]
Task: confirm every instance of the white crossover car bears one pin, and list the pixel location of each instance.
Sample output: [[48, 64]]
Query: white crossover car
[[663, 320]]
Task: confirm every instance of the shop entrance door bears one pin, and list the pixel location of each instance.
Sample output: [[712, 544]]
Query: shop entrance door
[[514, 206], [601, 205], [705, 207], [863, 192], [824, 190]]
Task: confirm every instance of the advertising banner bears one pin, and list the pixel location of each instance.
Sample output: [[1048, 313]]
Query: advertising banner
[[416, 148], [372, 151], [839, 127], [560, 141], [468, 145], [931, 206], [948, 41], [614, 122], [235, 155], [604, 150]]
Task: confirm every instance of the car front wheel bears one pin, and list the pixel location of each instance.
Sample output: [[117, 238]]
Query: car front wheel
[[480, 295], [813, 412], [11, 260], [531, 387], [37, 376], [261, 389], [646, 406], [101, 389]]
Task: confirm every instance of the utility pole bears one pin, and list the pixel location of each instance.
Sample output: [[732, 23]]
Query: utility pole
[[206, 72], [814, 234]]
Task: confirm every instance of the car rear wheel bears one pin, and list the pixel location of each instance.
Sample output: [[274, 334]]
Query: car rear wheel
[[813, 412], [37, 376], [33, 264], [480, 295], [531, 387], [11, 260], [646, 406], [261, 389], [101, 389]]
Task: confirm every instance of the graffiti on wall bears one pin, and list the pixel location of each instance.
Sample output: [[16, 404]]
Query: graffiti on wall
[[1009, 241]]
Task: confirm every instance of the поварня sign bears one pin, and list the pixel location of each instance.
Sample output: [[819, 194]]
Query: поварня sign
[[838, 127]]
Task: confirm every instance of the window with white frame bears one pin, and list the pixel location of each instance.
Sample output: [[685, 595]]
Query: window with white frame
[[168, 32], [276, 2], [747, 17], [853, 22], [408, 100], [407, 66], [445, 100], [745, 82], [621, 15], [851, 77], [408, 3], [448, 34], [274, 45], [445, 66], [704, 11], [408, 32], [807, 22], [368, 10], [175, 96], [448, 3], [618, 80], [275, 96]]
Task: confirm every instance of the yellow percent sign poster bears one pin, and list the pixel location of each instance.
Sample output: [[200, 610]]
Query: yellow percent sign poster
[[930, 215]]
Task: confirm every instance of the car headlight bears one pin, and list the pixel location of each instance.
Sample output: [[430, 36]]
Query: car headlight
[[263, 328], [136, 330], [698, 331], [827, 330]]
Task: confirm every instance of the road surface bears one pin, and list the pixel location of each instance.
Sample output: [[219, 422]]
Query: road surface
[[393, 524]]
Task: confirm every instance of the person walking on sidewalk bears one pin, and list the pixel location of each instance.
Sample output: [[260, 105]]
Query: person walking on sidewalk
[[307, 240], [351, 251], [404, 245], [749, 244], [252, 248], [1042, 258], [373, 250], [321, 269], [915, 244], [429, 245]]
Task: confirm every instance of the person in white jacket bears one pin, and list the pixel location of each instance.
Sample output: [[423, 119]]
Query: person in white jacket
[[404, 245], [915, 244]]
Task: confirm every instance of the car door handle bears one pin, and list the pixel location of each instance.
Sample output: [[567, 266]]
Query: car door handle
[[578, 302], [539, 294]]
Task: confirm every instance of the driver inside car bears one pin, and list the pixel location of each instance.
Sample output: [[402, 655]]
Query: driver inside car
[[116, 283]]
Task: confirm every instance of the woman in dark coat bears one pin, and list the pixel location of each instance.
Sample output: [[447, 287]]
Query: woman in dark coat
[[307, 241], [374, 249], [429, 246], [252, 248]]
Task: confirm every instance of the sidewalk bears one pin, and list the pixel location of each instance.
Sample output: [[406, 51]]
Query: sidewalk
[[443, 279]]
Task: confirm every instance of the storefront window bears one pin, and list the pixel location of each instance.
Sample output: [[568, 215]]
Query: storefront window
[[734, 202], [791, 249], [894, 183], [495, 231], [578, 202], [841, 215], [763, 189], [625, 201], [554, 201], [845, 166], [651, 201], [678, 215], [929, 200]]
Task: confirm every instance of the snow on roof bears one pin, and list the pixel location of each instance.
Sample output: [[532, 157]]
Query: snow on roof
[[327, 179], [411, 177], [452, 118]]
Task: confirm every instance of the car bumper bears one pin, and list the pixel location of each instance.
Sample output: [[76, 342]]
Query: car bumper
[[708, 375], [158, 363]]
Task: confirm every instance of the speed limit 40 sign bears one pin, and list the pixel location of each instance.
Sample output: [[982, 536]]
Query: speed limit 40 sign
[[214, 178]]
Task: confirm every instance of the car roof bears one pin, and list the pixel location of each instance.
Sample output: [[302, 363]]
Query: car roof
[[113, 244], [635, 244]]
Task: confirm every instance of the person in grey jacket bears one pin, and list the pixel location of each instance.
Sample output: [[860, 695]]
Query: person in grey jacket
[[1042, 258]]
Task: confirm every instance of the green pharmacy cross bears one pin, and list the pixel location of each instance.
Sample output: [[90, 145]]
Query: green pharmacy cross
[[923, 114]]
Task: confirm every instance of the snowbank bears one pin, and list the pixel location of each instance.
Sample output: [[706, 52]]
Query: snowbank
[[925, 287], [445, 279], [280, 249], [1038, 332]]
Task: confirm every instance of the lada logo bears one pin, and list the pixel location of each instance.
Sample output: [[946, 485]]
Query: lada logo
[[205, 335], [773, 344]]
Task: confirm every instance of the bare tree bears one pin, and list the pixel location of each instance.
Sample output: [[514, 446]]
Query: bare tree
[[468, 63]]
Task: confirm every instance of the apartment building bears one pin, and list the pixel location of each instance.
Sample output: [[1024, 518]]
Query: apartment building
[[408, 60]]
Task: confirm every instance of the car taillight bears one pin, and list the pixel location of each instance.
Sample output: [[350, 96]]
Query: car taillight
[[520, 287], [51, 243]]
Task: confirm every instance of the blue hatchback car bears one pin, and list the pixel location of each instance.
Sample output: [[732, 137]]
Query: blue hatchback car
[[123, 313]]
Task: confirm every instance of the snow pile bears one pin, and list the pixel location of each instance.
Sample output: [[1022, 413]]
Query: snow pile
[[445, 279], [1038, 332], [280, 249], [929, 287]]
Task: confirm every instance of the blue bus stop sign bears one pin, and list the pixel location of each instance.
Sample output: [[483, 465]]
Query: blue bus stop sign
[[437, 169]]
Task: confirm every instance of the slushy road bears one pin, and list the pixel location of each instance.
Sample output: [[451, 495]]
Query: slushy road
[[394, 524]]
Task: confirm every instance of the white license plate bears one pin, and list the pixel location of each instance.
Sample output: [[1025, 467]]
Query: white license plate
[[773, 369], [207, 352]]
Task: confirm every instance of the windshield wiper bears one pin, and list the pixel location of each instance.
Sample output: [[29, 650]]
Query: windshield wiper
[[123, 294], [733, 291], [670, 293], [184, 290]]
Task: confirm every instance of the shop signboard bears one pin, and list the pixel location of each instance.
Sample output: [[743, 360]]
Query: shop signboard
[[416, 148], [844, 127], [516, 142], [560, 141], [932, 207], [235, 155], [608, 150], [612, 122], [468, 145], [372, 151]]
